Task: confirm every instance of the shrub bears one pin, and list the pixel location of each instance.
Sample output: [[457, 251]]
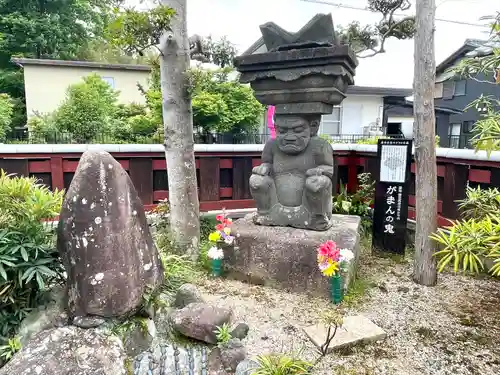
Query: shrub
[[479, 203], [125, 111], [89, 108], [282, 364], [6, 113], [29, 261], [466, 243], [142, 125], [223, 334], [42, 129], [178, 269], [358, 203]]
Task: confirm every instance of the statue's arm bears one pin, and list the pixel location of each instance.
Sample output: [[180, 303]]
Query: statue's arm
[[324, 159], [264, 169], [267, 153]]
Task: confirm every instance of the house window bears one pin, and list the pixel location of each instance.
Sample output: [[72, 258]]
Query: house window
[[448, 89], [110, 81], [460, 87], [438, 91], [468, 126], [331, 124], [454, 135]]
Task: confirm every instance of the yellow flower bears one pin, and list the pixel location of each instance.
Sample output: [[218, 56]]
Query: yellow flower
[[331, 270], [227, 231], [214, 237]]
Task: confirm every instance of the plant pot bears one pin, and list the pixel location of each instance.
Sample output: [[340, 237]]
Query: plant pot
[[216, 267], [336, 289]]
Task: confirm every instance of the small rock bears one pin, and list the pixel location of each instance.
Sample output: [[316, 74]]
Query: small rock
[[403, 289], [246, 367], [232, 354], [397, 273], [187, 293], [200, 321], [383, 287], [88, 321], [289, 328], [136, 341], [240, 331]]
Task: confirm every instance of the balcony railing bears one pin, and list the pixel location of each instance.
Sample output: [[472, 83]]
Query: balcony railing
[[457, 141]]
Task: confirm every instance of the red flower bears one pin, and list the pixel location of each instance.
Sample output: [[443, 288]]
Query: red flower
[[329, 250], [219, 217], [219, 227], [227, 222]]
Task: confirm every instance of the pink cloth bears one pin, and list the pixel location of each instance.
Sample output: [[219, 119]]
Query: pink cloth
[[270, 121]]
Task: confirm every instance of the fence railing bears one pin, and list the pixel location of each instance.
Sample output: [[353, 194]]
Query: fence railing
[[24, 136], [457, 141]]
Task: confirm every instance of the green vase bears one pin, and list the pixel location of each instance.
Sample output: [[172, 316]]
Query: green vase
[[216, 267], [336, 289]]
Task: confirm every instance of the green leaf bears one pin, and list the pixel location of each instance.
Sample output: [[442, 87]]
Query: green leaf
[[3, 273], [24, 254]]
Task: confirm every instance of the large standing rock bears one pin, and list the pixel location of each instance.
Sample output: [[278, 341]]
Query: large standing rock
[[105, 242], [69, 351], [200, 321]]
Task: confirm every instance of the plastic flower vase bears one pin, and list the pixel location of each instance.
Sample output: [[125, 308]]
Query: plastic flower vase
[[336, 289], [216, 267]]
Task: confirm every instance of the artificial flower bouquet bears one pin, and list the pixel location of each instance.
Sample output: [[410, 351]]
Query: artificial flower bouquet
[[332, 261], [220, 237]]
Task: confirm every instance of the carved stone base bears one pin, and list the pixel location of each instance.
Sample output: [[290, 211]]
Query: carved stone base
[[297, 217], [285, 257]]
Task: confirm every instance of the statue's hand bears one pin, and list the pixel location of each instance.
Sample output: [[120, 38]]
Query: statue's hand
[[262, 170], [314, 172], [317, 183]]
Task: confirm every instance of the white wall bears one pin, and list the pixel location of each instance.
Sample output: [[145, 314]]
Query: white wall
[[406, 124], [46, 85], [359, 111]]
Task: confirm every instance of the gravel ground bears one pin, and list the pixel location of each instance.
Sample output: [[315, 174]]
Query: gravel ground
[[452, 328]]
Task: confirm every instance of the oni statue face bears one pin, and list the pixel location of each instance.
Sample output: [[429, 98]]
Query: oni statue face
[[292, 133]]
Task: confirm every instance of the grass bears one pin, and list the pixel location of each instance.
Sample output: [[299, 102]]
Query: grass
[[357, 292]]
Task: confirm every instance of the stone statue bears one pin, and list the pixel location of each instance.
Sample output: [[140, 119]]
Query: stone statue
[[304, 75], [293, 185]]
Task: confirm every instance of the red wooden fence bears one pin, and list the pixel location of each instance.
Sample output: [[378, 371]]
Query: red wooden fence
[[223, 175]]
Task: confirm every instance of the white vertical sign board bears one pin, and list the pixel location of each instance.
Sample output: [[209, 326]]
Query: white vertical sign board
[[393, 163]]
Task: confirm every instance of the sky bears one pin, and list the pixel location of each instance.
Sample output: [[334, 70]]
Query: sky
[[239, 21]]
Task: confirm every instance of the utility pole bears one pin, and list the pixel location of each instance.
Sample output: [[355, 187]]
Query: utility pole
[[425, 272]]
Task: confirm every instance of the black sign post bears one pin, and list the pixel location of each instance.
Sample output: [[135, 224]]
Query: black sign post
[[391, 195]]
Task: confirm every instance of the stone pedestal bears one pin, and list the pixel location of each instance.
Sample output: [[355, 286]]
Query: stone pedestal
[[286, 257]]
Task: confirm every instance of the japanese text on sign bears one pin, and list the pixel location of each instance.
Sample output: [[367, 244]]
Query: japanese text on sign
[[393, 163], [394, 196]]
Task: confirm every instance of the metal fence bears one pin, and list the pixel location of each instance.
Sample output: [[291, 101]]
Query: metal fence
[[56, 137]]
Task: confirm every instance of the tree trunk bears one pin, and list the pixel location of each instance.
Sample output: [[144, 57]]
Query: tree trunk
[[425, 145], [178, 127]]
